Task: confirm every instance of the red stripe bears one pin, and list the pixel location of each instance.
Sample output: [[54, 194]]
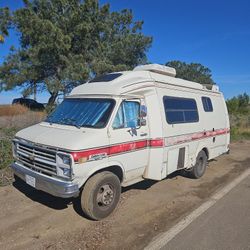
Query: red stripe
[[159, 142], [196, 136], [88, 153], [156, 142], [116, 149]]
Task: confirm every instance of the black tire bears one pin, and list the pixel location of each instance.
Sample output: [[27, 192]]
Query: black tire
[[100, 195], [17, 178], [198, 170]]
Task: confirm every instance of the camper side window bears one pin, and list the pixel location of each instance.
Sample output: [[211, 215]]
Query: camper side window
[[127, 115], [207, 104], [180, 110]]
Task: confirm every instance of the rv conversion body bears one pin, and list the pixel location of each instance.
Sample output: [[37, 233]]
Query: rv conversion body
[[119, 129]]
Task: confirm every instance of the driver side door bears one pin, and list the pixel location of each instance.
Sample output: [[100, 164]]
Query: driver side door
[[129, 139]]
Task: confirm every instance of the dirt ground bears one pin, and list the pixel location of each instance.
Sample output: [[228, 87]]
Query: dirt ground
[[31, 219]]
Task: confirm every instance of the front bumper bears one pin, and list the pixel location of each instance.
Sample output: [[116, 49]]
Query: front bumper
[[59, 188]]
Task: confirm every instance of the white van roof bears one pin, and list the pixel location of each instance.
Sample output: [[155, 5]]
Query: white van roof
[[142, 76]]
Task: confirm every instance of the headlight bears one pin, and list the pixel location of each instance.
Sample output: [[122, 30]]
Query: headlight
[[64, 163], [66, 160]]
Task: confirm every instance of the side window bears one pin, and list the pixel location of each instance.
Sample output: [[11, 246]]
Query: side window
[[127, 115], [180, 110], [207, 104]]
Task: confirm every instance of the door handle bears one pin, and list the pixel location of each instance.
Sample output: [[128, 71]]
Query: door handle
[[143, 134]]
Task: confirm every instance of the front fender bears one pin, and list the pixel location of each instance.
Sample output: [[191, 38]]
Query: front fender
[[90, 168]]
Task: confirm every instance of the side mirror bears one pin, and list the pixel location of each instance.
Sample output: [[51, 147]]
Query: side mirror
[[143, 114], [143, 111]]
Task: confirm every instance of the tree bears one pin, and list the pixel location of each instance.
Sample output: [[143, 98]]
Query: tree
[[193, 72], [63, 43], [243, 100], [233, 105], [4, 23], [239, 104]]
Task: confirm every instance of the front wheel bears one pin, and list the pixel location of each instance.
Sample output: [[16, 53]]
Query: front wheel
[[200, 166], [100, 195]]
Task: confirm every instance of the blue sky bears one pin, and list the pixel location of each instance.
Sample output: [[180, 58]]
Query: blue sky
[[213, 33]]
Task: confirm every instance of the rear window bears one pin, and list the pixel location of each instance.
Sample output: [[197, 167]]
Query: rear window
[[106, 78], [207, 104], [180, 110]]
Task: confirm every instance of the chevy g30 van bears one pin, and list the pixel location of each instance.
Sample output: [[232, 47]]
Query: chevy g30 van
[[120, 129]]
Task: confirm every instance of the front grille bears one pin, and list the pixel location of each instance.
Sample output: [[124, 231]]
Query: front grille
[[39, 159]]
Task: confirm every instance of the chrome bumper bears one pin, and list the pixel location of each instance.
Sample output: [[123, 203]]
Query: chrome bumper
[[59, 188]]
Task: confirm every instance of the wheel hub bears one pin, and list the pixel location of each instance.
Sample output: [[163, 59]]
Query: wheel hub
[[105, 195]]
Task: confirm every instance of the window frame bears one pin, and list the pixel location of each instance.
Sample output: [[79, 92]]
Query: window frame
[[207, 98], [180, 122]]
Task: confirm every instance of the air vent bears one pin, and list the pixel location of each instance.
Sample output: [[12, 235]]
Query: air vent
[[157, 68]]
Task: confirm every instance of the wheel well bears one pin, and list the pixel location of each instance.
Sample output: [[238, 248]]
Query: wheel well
[[117, 170], [206, 152]]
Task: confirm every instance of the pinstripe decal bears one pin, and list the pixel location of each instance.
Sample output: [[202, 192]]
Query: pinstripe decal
[[174, 140], [91, 154], [103, 152]]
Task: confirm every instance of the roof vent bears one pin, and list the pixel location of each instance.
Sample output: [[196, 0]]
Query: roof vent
[[157, 68]]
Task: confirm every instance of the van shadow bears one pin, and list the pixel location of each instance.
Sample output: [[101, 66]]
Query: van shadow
[[46, 199], [49, 200], [146, 184], [58, 203]]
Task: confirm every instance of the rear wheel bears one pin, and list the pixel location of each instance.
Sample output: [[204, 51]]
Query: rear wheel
[[100, 195], [200, 166]]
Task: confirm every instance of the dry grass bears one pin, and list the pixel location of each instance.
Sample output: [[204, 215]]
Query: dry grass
[[18, 116], [12, 110], [21, 121], [12, 119]]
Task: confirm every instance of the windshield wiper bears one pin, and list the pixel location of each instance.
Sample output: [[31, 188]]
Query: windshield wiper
[[70, 120], [88, 126], [49, 121]]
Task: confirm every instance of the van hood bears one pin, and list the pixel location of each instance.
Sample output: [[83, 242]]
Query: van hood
[[64, 137]]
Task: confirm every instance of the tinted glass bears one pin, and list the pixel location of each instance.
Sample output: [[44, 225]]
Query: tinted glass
[[87, 112], [175, 116], [191, 116], [177, 103], [180, 110], [207, 104], [106, 78]]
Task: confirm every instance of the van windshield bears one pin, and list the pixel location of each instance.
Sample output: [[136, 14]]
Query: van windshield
[[83, 112]]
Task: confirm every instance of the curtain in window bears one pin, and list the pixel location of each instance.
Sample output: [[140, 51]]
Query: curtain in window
[[127, 115], [119, 121], [131, 111]]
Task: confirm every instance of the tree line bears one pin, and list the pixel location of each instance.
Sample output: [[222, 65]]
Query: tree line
[[64, 43], [239, 104]]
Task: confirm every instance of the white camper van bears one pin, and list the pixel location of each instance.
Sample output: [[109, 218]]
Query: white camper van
[[119, 129]]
